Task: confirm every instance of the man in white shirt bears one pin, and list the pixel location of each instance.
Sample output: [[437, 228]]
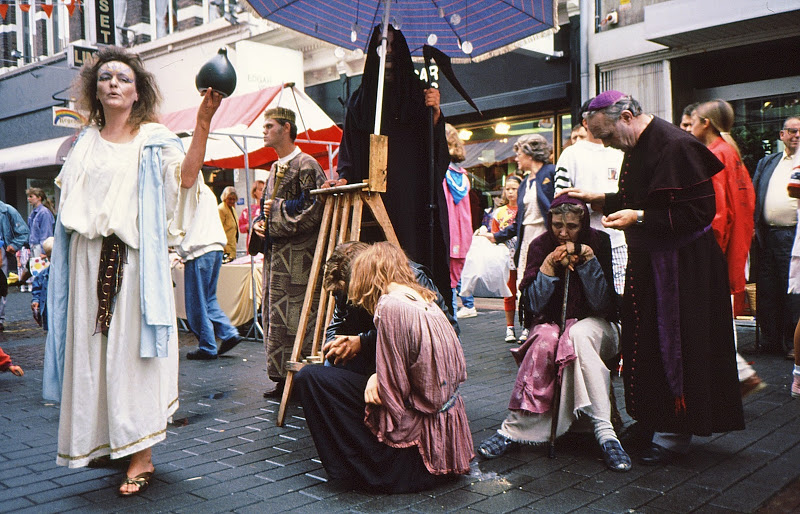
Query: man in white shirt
[[201, 251], [775, 222], [590, 166]]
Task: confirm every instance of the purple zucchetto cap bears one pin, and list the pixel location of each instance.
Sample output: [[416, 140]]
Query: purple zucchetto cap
[[605, 99]]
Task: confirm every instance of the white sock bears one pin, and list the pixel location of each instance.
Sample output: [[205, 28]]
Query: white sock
[[604, 431]]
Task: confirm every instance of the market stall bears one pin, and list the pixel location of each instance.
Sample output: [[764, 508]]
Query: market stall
[[235, 289]]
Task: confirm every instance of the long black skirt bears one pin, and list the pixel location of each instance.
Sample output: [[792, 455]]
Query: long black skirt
[[333, 403]]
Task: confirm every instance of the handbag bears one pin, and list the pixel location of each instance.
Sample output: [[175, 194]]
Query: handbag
[[255, 244], [486, 269]]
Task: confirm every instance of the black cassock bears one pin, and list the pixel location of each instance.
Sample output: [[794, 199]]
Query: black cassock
[[405, 122], [677, 333]]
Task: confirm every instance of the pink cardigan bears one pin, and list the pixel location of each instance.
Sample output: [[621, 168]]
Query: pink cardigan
[[460, 219]]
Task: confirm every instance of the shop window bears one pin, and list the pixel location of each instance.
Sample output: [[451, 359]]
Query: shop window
[[758, 123], [490, 146], [27, 36]]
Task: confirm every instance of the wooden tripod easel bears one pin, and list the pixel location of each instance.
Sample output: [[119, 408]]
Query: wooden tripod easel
[[341, 222]]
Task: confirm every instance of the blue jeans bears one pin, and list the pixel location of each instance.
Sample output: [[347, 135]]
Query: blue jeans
[[466, 301], [204, 316]]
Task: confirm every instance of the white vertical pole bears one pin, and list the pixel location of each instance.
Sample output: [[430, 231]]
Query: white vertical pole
[[382, 69]]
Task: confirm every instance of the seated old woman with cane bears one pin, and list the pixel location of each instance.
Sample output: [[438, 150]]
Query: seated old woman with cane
[[569, 287]]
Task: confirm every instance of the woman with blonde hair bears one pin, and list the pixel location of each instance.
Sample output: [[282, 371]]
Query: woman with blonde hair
[[735, 197], [403, 428], [733, 221]]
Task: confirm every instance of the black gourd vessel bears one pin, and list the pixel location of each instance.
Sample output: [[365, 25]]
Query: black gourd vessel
[[218, 73]]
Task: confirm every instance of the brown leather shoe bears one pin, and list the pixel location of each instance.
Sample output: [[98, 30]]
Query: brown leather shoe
[[276, 391]]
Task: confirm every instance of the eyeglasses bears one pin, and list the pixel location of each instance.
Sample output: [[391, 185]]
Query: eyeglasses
[[791, 131]]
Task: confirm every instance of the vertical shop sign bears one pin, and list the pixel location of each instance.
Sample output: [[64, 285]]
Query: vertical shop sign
[[104, 22]]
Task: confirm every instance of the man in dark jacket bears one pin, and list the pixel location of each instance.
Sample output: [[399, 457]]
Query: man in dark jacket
[[775, 222], [677, 337]]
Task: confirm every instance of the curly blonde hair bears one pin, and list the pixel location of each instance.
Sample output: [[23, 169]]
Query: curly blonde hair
[[374, 269]]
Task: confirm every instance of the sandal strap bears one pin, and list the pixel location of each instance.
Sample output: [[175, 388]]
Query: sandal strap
[[140, 480]]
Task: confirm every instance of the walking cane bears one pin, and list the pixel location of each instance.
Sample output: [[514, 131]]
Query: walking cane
[[551, 449]]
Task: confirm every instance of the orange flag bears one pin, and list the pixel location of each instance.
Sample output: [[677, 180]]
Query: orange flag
[[3, 10], [71, 7], [48, 9], [24, 7]]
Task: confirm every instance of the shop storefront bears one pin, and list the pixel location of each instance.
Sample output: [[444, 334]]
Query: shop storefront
[[490, 145], [759, 80]]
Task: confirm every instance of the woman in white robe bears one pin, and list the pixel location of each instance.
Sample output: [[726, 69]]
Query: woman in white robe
[[126, 182]]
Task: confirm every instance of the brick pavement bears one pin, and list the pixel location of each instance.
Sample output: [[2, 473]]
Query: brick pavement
[[224, 452]]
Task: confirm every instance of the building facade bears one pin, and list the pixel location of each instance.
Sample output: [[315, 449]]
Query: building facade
[[669, 54]]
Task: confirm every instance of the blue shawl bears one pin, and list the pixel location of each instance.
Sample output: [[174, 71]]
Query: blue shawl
[[153, 271]]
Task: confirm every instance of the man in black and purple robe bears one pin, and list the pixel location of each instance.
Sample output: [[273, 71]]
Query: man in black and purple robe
[[677, 338]]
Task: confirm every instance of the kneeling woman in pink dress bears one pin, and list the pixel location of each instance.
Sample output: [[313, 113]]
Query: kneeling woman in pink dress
[[404, 428]]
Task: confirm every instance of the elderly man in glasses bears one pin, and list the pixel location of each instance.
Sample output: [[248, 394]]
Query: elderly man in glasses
[[776, 221]]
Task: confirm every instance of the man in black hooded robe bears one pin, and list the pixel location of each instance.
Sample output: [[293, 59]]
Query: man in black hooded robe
[[405, 121]]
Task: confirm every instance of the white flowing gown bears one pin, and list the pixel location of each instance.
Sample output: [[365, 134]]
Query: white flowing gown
[[113, 401]]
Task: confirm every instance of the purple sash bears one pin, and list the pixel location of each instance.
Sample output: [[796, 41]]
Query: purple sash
[[664, 260]]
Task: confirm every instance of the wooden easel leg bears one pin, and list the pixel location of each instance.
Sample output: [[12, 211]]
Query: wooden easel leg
[[316, 266], [375, 204], [336, 228]]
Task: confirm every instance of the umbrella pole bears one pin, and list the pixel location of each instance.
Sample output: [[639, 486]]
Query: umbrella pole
[[382, 67], [431, 195]]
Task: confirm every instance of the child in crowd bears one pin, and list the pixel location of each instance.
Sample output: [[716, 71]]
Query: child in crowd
[[502, 218], [5, 364], [39, 288]]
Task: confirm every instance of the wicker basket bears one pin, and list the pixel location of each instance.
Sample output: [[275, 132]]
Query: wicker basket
[[750, 290]]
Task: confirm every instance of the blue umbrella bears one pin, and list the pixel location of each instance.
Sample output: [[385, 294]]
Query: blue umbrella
[[465, 30]]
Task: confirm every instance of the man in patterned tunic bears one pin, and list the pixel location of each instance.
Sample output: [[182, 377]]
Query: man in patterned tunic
[[289, 224]]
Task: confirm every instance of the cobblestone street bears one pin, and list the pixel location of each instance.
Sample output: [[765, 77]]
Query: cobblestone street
[[224, 453]]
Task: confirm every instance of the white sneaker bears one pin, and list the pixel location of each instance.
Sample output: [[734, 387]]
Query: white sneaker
[[523, 336], [465, 312], [511, 337]]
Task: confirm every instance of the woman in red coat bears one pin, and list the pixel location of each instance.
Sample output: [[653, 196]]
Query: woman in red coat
[[736, 199]]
